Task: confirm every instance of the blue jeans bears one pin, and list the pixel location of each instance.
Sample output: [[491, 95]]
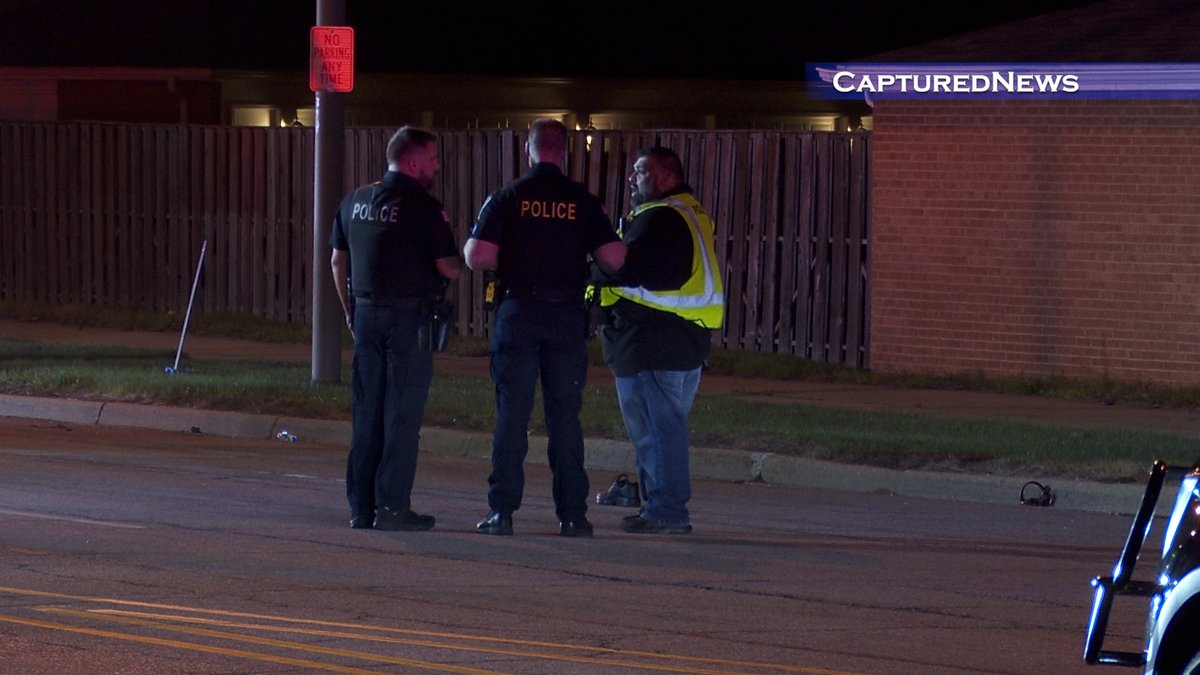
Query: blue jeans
[[533, 337], [655, 406], [389, 387]]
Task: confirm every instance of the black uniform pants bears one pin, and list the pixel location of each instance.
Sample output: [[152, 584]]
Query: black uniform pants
[[389, 388], [531, 338]]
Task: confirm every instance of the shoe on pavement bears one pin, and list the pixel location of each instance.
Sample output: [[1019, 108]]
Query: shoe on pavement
[[580, 527], [496, 523], [402, 520], [362, 522], [639, 525], [622, 492]]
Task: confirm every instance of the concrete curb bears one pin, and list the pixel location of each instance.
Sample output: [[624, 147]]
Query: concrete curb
[[185, 419], [602, 454], [1075, 495], [51, 409]]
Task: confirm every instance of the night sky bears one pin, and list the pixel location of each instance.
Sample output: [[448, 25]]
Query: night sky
[[739, 39]]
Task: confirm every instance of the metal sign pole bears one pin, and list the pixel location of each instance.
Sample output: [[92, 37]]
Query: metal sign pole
[[328, 184], [171, 370]]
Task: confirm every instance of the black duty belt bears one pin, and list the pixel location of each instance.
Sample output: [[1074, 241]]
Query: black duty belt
[[391, 302], [546, 294]]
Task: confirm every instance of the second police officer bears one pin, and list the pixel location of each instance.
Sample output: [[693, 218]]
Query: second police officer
[[392, 249], [537, 234]]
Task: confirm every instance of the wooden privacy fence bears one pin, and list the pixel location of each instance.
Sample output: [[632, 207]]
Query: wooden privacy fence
[[114, 215]]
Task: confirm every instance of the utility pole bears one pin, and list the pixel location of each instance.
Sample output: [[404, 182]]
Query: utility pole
[[329, 168]]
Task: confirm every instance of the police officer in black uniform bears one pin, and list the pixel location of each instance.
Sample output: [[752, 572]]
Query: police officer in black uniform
[[537, 233], [393, 247]]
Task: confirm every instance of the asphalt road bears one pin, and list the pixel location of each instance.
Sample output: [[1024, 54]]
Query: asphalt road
[[138, 551]]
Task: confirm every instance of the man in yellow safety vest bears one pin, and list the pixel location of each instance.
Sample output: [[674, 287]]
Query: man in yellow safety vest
[[661, 309]]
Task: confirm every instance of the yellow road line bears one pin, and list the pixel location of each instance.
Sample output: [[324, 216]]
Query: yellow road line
[[387, 630], [72, 519], [268, 642], [612, 663], [742, 665], [221, 651]]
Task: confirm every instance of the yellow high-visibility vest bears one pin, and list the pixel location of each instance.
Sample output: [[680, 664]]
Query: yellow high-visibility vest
[[701, 300]]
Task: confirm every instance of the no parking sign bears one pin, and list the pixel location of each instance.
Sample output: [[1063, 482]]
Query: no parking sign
[[331, 59]]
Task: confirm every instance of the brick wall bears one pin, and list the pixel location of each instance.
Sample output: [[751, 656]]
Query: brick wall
[[1037, 238]]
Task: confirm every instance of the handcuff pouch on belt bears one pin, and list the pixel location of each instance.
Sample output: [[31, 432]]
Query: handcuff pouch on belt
[[434, 333]]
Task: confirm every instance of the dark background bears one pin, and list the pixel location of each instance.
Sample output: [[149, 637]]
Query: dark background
[[738, 40]]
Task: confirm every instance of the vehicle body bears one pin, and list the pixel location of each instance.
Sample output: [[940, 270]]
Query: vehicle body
[[1172, 639]]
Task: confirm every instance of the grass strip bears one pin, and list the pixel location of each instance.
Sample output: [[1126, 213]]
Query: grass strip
[[887, 439], [722, 362]]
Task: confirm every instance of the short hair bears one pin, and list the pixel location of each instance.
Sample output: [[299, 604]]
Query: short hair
[[666, 159], [405, 141], [548, 137]]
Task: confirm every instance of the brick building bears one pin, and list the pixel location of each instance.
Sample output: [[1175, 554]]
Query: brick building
[[1042, 238]]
